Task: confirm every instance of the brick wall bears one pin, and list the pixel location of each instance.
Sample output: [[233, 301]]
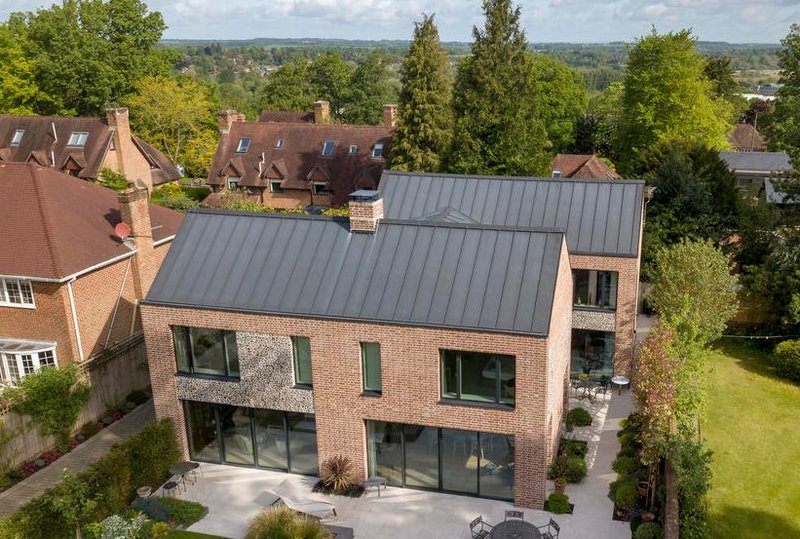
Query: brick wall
[[126, 158]]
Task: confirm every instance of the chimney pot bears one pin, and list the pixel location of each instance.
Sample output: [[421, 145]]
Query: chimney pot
[[322, 112], [390, 116], [117, 118], [366, 210], [227, 118]]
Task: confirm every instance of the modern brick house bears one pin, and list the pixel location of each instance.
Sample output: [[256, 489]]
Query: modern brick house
[[427, 337], [68, 287], [83, 147], [296, 160]]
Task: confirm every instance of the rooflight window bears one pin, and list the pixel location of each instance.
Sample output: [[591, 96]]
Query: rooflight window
[[377, 151], [353, 150], [280, 143], [327, 148], [78, 138], [244, 145], [17, 138]]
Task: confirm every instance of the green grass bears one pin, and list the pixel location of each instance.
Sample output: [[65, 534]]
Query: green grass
[[753, 426], [181, 534]]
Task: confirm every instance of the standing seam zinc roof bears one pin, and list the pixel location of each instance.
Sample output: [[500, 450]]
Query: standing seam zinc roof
[[411, 273], [599, 217]]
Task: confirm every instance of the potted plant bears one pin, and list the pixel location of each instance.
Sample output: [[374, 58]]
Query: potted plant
[[643, 487], [560, 484]]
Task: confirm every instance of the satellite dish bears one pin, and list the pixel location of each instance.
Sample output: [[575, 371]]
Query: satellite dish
[[122, 230]]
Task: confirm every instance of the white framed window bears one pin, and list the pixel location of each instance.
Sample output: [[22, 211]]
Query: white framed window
[[244, 145], [17, 138], [77, 138], [320, 188], [275, 186], [16, 293], [377, 151], [233, 182], [15, 366], [353, 149], [328, 147]]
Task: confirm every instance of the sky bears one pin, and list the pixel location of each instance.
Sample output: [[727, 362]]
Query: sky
[[575, 21]]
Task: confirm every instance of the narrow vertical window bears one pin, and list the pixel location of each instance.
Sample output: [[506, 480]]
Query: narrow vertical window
[[371, 366], [301, 350]]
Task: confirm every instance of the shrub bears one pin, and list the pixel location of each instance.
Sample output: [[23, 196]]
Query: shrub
[[649, 530], [558, 503], [151, 452], [579, 417], [575, 470], [89, 429], [283, 523], [573, 448], [184, 512], [159, 530], [138, 397], [116, 526], [337, 473], [113, 180], [155, 508], [627, 495], [625, 466], [557, 468], [786, 360]]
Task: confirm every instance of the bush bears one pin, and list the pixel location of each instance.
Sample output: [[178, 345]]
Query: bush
[[579, 417], [155, 508], [649, 530], [557, 469], [139, 397], [116, 526], [184, 512], [626, 466], [626, 495], [573, 448], [557, 503], [786, 360], [151, 452], [575, 470], [337, 473], [283, 523]]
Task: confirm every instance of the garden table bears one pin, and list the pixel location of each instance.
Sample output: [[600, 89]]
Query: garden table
[[620, 381], [515, 529], [181, 470]]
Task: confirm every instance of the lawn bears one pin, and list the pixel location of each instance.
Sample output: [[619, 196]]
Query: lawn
[[753, 426]]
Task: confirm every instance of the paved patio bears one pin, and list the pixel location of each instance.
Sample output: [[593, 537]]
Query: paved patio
[[235, 495]]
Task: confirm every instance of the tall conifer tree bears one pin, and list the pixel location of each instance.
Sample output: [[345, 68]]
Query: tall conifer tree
[[425, 117], [497, 128]]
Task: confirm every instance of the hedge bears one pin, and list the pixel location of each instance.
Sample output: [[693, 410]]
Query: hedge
[[143, 459], [786, 360]]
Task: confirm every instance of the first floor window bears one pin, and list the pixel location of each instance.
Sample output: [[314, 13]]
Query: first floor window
[[371, 366], [478, 377], [320, 188], [301, 351], [592, 353], [16, 292], [206, 351], [15, 366], [595, 289]]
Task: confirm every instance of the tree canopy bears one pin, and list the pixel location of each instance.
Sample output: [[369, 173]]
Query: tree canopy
[[561, 99], [784, 129]]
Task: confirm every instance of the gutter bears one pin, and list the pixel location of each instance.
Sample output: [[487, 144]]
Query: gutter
[[162, 241], [75, 275]]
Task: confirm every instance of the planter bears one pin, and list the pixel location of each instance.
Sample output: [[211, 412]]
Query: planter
[[560, 484], [647, 516], [144, 492], [643, 487]]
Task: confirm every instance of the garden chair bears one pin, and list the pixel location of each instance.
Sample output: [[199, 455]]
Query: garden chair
[[170, 487], [285, 493], [479, 528], [550, 530], [511, 514]]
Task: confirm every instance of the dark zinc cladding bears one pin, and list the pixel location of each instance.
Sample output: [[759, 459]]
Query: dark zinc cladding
[[599, 217]]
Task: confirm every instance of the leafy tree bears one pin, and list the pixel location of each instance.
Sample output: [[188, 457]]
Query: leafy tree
[[425, 117], [369, 91], [594, 132], [694, 291], [562, 99], [18, 89], [89, 53], [330, 79], [720, 73], [289, 88], [497, 128], [177, 115], [784, 131], [667, 96], [76, 502]]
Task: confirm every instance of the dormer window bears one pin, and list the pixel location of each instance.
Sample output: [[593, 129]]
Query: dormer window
[[233, 182], [353, 150], [244, 145], [275, 186], [17, 138], [556, 173], [320, 188], [377, 151], [327, 148], [78, 139], [280, 143]]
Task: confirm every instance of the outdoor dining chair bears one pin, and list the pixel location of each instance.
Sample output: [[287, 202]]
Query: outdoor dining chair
[[510, 513], [550, 530], [479, 528]]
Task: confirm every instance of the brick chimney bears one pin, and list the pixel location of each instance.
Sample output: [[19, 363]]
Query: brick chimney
[[390, 116], [124, 156], [135, 212], [366, 210], [117, 119], [227, 118], [322, 112]]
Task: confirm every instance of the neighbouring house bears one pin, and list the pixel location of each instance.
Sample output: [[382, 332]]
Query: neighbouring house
[[83, 147], [69, 287], [753, 168], [746, 138], [426, 337], [297, 160], [584, 167]]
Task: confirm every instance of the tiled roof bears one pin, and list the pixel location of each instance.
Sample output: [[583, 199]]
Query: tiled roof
[[765, 162], [299, 160], [54, 225], [599, 217], [284, 116], [584, 167], [745, 137], [451, 275]]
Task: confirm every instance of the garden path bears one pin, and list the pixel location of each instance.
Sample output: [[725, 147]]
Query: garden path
[[76, 460]]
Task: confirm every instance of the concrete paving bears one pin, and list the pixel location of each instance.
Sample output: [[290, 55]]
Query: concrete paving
[[76, 460], [235, 495]]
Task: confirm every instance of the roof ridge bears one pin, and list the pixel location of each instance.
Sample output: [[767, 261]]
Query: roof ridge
[[400, 173], [55, 255], [316, 125]]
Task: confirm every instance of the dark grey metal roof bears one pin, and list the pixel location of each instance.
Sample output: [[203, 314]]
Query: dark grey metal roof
[[599, 217], [756, 161], [415, 273]]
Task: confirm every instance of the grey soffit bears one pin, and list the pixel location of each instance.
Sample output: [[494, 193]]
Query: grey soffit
[[756, 161], [447, 275], [599, 217]]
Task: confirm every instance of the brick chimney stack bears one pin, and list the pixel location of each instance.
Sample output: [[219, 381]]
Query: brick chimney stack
[[390, 116], [322, 112], [135, 212], [227, 118], [117, 119], [366, 210]]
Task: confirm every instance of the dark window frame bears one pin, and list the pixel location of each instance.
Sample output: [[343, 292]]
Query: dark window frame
[[459, 398], [613, 276], [302, 384], [364, 370], [190, 359]]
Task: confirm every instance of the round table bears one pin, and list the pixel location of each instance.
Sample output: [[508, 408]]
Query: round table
[[182, 469], [515, 529], [620, 381]]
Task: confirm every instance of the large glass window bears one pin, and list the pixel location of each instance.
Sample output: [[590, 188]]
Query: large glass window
[[301, 350], [15, 366], [203, 433], [371, 366], [595, 289], [237, 436], [302, 444], [466, 462], [270, 429], [206, 351], [592, 353], [478, 377]]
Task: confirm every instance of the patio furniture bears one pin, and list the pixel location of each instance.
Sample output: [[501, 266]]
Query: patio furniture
[[287, 494], [377, 482], [480, 529], [169, 488], [515, 529], [340, 532], [514, 514], [550, 530], [181, 470], [620, 381], [602, 386]]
